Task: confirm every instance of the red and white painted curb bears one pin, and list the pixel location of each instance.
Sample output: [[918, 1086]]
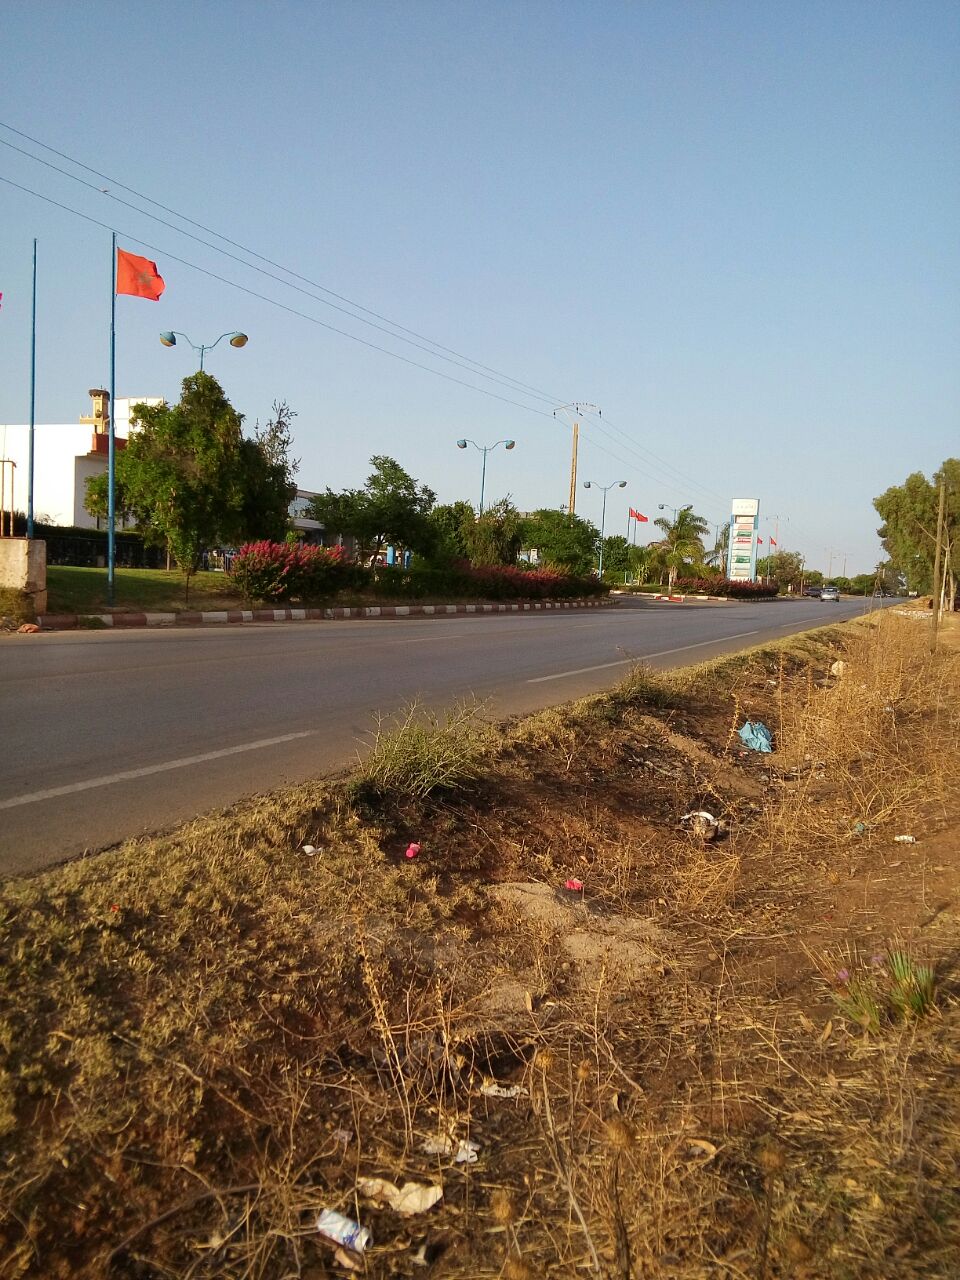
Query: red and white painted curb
[[71, 621], [683, 599]]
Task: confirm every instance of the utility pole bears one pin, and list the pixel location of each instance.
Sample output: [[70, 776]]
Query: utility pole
[[573, 413], [937, 584]]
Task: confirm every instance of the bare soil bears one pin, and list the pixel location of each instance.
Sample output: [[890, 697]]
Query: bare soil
[[208, 1038]]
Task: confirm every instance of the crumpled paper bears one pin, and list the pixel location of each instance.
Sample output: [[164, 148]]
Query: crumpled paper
[[411, 1198]]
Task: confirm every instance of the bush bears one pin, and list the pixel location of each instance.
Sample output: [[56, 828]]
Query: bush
[[277, 571], [484, 582], [726, 587]]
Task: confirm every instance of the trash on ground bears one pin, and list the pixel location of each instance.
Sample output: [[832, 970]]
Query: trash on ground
[[344, 1231], [28, 629], [491, 1089], [838, 668], [308, 849], [463, 1150], [574, 885], [701, 823], [412, 1197], [904, 839], [412, 849], [756, 736]]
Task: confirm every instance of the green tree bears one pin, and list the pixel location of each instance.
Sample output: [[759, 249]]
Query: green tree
[[494, 537], [190, 479], [392, 509], [269, 472], [616, 556], [562, 541], [785, 567], [451, 523], [682, 543], [909, 529]]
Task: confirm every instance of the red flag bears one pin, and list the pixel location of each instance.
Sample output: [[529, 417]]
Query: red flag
[[642, 519], [138, 276], [773, 542], [633, 515], [759, 542]]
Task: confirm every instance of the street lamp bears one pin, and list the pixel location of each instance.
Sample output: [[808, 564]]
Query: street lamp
[[485, 449], [664, 506], [170, 336], [590, 484]]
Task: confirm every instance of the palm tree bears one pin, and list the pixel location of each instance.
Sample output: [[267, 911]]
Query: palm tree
[[682, 543]]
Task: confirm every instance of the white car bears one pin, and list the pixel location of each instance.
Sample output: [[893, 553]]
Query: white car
[[830, 593]]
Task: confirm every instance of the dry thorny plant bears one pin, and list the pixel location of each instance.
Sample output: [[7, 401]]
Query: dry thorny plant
[[197, 1094]]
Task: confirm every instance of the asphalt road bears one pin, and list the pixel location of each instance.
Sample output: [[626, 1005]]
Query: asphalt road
[[110, 734]]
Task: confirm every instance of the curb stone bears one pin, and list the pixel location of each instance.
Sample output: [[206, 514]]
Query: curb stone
[[220, 617]]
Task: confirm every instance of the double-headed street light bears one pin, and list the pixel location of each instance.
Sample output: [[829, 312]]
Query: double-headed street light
[[665, 506], [170, 336], [485, 449], [592, 484]]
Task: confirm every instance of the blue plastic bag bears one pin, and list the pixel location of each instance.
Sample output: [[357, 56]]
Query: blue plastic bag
[[756, 736]]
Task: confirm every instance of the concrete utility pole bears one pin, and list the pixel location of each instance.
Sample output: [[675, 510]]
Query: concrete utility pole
[[573, 413]]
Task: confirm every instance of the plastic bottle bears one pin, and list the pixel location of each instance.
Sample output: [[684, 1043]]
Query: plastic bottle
[[344, 1231], [904, 839]]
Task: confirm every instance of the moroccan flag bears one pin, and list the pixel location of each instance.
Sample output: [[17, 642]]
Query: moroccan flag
[[138, 276], [773, 542], [642, 519], [759, 542]]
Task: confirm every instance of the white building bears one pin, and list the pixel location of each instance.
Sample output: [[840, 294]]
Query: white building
[[65, 456]]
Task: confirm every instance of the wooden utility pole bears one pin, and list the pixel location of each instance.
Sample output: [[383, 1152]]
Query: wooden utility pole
[[937, 575], [573, 413]]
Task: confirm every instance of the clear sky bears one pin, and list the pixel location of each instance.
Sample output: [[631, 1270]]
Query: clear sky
[[733, 226]]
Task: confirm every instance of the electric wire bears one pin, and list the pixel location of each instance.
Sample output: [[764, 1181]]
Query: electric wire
[[648, 457]]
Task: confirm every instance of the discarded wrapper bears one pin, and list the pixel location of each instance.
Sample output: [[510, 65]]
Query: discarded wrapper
[[463, 1150], [573, 884], [308, 849], [904, 839], [412, 850], [491, 1089], [343, 1230], [702, 823], [412, 1197], [756, 736]]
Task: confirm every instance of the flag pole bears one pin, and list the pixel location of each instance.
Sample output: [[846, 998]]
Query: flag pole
[[33, 395], [111, 438]]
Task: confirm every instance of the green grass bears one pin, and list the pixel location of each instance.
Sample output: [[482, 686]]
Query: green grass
[[73, 590]]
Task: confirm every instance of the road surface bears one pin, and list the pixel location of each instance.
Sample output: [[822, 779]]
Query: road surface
[[111, 734]]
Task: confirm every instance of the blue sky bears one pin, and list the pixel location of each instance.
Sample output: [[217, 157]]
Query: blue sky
[[734, 227]]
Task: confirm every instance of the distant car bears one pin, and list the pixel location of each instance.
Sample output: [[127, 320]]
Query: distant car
[[830, 593], [814, 592]]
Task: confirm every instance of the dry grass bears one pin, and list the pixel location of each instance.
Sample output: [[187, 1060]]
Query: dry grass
[[209, 1037]]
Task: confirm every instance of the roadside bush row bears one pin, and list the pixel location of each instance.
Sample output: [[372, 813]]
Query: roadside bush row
[[276, 572], [724, 587]]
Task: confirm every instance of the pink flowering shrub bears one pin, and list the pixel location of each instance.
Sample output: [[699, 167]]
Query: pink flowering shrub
[[726, 587], [275, 571]]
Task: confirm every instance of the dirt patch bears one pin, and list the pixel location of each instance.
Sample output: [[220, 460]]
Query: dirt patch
[[677, 1071]]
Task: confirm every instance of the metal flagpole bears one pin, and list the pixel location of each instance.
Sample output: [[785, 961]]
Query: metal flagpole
[[33, 395], [111, 438]]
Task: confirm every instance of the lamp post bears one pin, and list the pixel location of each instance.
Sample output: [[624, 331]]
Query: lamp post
[[591, 484], [485, 449], [170, 336]]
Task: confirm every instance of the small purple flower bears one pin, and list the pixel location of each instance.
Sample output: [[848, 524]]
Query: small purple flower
[[843, 977]]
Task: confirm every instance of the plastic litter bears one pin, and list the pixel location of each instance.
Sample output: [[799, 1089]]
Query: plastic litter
[[493, 1090], [309, 849], [575, 886], [411, 1198], [701, 823], [412, 850], [756, 736], [904, 839], [463, 1150], [28, 629], [344, 1231]]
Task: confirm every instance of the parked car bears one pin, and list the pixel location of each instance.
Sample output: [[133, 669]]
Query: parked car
[[830, 593]]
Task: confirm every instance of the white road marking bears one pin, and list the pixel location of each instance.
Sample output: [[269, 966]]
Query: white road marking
[[642, 657], [128, 774]]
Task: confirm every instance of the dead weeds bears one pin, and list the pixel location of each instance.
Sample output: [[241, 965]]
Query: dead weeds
[[210, 1037]]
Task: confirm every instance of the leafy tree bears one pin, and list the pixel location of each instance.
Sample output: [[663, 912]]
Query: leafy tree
[[785, 567], [494, 537], [451, 522], [191, 480], [909, 529], [269, 482], [391, 510], [682, 543], [616, 555], [562, 541]]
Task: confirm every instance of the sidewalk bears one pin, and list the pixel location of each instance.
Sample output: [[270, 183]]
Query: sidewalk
[[123, 621]]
